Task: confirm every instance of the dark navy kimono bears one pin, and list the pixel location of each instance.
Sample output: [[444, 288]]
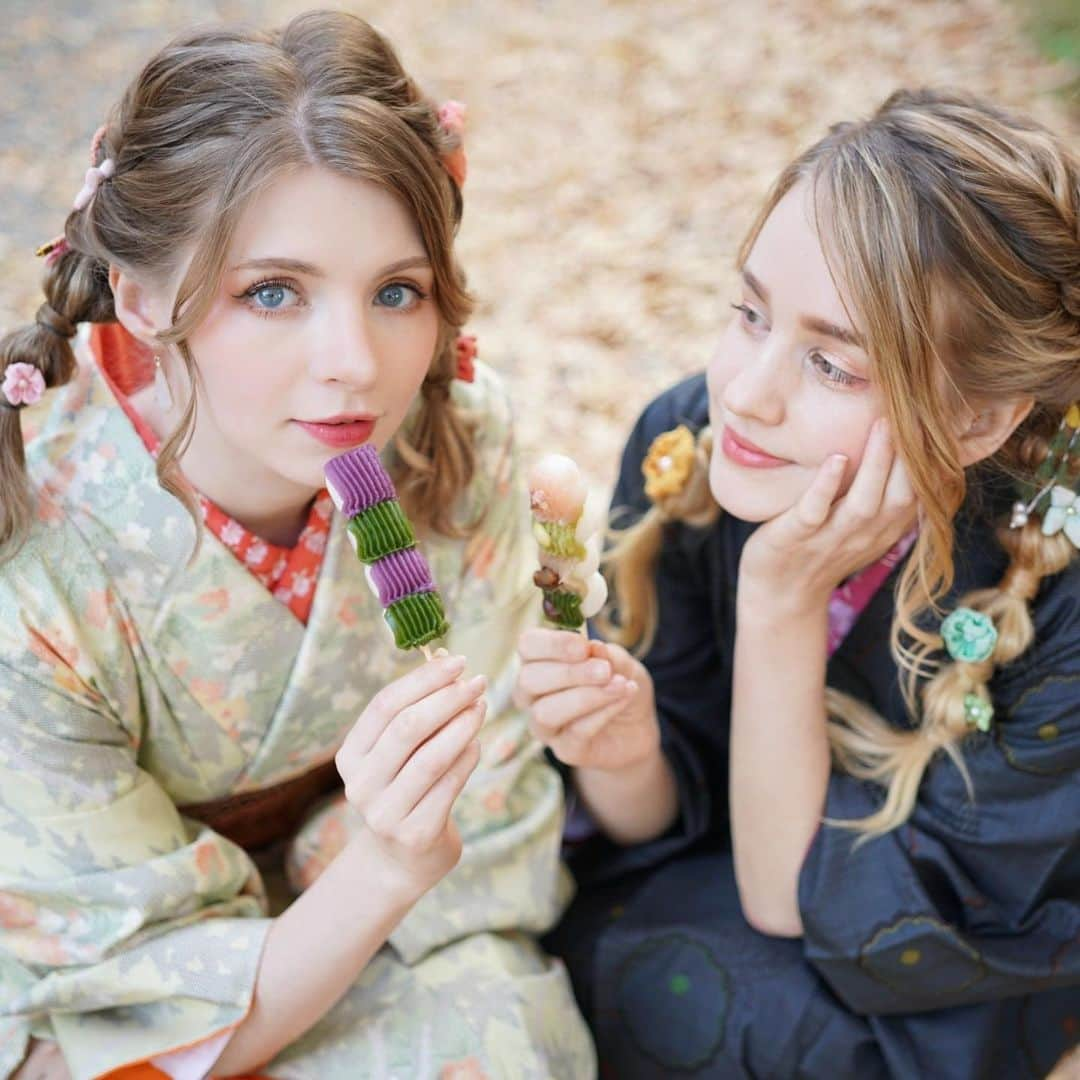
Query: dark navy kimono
[[949, 949]]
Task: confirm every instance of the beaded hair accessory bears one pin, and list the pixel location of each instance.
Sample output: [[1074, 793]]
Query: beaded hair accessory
[[1055, 494]]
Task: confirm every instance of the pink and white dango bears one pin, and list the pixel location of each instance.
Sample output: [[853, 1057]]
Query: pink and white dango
[[557, 490], [558, 493]]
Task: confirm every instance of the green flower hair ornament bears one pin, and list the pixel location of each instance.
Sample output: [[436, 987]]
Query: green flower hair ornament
[[969, 635], [978, 712]]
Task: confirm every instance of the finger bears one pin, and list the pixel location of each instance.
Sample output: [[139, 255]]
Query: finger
[[541, 644], [550, 714], [863, 499], [621, 661], [588, 727], [899, 494], [428, 765], [399, 695], [416, 724], [431, 814], [816, 503], [539, 677]]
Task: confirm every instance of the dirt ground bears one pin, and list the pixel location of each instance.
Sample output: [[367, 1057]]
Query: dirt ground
[[617, 151]]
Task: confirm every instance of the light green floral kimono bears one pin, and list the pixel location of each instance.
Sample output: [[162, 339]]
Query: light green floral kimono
[[132, 683]]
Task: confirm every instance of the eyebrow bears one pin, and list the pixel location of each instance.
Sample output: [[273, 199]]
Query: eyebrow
[[811, 322], [298, 266]]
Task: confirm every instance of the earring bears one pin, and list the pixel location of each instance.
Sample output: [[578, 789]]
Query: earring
[[162, 394]]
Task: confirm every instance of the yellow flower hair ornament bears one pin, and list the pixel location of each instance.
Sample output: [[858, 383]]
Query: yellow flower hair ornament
[[669, 463]]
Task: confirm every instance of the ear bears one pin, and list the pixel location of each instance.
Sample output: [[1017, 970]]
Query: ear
[[993, 424], [139, 310]]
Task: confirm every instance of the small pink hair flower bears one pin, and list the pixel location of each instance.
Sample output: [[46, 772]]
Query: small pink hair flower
[[451, 117], [23, 384]]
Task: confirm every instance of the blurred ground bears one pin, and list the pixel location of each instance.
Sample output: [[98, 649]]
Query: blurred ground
[[617, 150]]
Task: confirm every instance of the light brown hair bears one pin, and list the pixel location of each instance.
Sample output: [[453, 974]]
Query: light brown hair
[[210, 120], [953, 229]]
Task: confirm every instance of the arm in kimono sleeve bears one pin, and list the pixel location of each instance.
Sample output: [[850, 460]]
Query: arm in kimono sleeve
[[125, 932], [511, 811], [692, 692], [968, 901]]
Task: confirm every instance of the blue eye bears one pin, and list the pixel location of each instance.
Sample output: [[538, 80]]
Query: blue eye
[[271, 296], [398, 296]]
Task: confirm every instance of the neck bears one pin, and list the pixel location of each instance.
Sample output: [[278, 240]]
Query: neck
[[265, 504]]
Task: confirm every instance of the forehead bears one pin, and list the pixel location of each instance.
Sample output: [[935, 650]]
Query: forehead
[[790, 261], [319, 216]]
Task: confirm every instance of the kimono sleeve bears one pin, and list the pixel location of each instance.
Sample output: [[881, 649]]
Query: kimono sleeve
[[510, 813], [969, 901], [125, 930]]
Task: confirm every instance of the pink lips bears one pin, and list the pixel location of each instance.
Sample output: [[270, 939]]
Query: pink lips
[[745, 453], [340, 432]]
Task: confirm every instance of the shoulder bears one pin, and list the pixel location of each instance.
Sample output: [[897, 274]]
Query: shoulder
[[686, 403], [62, 625], [1039, 693], [485, 401]]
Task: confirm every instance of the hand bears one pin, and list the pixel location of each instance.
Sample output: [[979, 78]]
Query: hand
[[795, 561], [591, 702], [405, 762]]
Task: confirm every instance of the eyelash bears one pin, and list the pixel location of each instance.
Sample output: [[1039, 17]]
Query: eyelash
[[835, 375], [747, 311], [270, 283]]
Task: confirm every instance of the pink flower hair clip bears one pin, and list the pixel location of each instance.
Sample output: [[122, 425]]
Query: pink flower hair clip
[[23, 385], [451, 117], [96, 173], [92, 181]]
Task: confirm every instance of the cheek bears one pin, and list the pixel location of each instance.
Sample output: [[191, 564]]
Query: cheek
[[725, 362]]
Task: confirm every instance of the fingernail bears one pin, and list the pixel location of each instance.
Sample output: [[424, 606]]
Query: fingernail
[[477, 683], [597, 670], [837, 462], [456, 664], [617, 684]]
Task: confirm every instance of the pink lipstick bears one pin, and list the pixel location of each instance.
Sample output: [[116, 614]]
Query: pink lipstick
[[745, 453], [342, 431]]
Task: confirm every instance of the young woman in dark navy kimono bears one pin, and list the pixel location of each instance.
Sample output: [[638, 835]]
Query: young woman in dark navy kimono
[[836, 804]]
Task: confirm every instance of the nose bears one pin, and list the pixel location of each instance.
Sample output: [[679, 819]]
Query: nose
[[344, 351], [756, 391]]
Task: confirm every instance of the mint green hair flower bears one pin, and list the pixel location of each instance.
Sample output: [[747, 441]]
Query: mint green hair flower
[[969, 635], [978, 712]]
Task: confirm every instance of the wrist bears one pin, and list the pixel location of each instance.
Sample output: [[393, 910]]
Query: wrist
[[760, 603], [365, 864], [638, 769]]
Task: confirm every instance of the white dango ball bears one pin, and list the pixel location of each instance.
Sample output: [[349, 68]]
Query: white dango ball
[[596, 595]]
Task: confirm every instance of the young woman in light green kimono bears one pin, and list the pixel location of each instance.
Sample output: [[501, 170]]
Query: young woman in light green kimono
[[270, 220]]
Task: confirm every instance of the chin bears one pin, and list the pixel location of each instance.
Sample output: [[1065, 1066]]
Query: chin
[[746, 495]]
